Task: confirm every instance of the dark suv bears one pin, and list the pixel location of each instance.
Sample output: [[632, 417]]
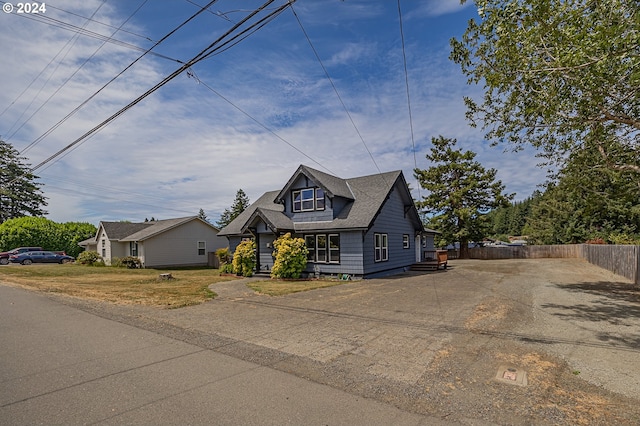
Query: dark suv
[[4, 256]]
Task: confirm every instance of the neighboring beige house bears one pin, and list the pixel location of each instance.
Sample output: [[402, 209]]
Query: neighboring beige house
[[184, 241]]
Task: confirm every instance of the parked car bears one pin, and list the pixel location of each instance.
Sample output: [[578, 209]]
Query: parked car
[[4, 256], [29, 257]]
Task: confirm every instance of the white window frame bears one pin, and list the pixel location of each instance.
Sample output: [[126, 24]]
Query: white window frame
[[381, 247], [406, 242], [307, 195], [202, 246]]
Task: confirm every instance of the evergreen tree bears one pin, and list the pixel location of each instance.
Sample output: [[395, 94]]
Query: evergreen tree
[[239, 205], [202, 215], [461, 193], [589, 200], [20, 195]]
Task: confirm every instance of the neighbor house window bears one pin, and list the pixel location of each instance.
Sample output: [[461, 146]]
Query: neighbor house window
[[323, 248], [307, 200], [381, 245], [104, 250], [405, 241], [202, 248], [133, 248]]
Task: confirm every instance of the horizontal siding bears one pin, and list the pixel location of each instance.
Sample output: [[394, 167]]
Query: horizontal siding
[[179, 246], [390, 221], [350, 257]]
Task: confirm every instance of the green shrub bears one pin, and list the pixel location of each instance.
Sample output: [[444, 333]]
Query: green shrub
[[223, 255], [130, 262], [624, 238], [291, 257], [244, 258], [90, 258], [226, 268]]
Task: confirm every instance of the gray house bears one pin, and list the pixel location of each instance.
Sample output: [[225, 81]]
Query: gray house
[[184, 241], [365, 227]]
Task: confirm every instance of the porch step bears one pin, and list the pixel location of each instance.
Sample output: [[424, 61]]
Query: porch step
[[426, 266]]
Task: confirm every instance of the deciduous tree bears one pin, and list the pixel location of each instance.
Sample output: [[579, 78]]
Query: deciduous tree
[[556, 74]]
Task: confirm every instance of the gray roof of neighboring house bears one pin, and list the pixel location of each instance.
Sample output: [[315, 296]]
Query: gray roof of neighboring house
[[367, 195], [128, 231]]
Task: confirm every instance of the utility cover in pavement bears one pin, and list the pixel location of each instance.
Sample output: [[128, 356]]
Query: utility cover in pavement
[[512, 375]]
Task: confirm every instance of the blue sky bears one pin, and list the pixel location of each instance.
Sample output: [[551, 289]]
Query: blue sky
[[244, 118]]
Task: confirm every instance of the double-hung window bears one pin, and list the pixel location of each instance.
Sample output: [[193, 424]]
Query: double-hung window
[[307, 200], [202, 248], [133, 248], [381, 246]]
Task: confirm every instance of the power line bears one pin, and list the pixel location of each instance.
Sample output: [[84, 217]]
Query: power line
[[83, 31], [120, 29], [192, 75], [207, 52], [334, 88], [71, 41], [65, 118], [70, 77], [406, 82]]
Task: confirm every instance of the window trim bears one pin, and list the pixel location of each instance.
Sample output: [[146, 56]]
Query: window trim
[[312, 257], [380, 247], [406, 241], [314, 198], [133, 248], [203, 248]]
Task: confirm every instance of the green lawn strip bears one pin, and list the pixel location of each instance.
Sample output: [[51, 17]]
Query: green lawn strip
[[118, 285]]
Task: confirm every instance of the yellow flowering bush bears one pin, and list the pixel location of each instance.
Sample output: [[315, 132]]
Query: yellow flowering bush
[[291, 257], [244, 258]]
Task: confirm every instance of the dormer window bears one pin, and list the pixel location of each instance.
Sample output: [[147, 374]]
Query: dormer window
[[309, 199]]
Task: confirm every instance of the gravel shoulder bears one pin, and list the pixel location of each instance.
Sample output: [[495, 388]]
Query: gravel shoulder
[[436, 343]]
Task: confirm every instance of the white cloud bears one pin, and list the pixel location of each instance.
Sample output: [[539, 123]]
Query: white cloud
[[184, 148]]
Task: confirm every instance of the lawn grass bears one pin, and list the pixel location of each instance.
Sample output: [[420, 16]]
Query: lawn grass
[[283, 287], [118, 285]]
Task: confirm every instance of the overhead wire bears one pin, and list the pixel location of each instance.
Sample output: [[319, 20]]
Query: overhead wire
[[75, 110], [102, 190], [83, 31], [120, 29], [406, 82], [191, 74], [335, 89], [205, 53], [68, 44], [64, 83]]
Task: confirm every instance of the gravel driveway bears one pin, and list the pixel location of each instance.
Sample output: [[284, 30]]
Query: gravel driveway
[[549, 341]]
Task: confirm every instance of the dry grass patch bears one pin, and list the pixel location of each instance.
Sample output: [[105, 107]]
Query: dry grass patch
[[283, 287], [117, 285]]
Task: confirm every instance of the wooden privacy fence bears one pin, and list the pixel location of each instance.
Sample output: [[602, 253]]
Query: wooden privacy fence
[[621, 260]]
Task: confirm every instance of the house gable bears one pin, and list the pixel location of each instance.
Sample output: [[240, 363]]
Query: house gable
[[339, 220]]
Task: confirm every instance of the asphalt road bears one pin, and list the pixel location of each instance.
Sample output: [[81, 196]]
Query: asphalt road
[[412, 349], [63, 366]]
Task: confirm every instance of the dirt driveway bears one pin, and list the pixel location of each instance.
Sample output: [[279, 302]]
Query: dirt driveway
[[551, 341]]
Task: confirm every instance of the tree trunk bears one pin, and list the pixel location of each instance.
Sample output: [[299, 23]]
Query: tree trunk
[[464, 249]]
